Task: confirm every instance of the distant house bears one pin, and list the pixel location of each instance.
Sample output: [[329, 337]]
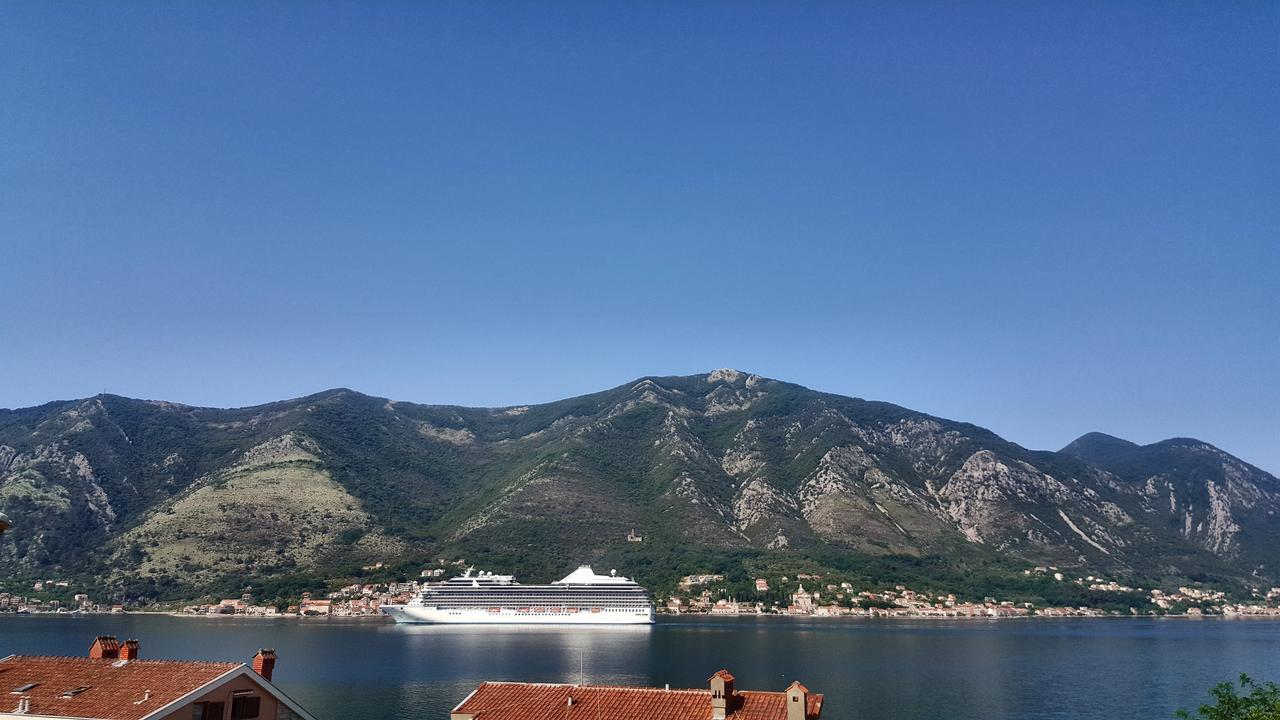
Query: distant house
[[762, 585], [316, 607], [111, 683], [719, 701], [690, 581]]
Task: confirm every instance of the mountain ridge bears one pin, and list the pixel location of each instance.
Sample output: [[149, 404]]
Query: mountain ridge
[[727, 468], [320, 394]]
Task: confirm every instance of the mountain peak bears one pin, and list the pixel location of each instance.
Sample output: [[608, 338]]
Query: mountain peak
[[1094, 444], [1186, 442], [730, 376], [727, 375], [1099, 448]]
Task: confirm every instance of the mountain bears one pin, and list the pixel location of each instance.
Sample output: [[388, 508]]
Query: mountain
[[1209, 498], [727, 471]]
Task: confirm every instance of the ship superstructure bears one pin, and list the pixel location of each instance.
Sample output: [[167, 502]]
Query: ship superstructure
[[581, 598]]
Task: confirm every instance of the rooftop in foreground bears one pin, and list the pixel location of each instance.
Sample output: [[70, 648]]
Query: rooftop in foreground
[[112, 683], [550, 701], [103, 688]]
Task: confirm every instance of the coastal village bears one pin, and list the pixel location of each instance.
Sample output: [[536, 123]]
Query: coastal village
[[804, 594], [831, 599]]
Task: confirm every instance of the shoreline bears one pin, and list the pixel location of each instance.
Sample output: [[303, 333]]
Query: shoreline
[[932, 618], [383, 619]]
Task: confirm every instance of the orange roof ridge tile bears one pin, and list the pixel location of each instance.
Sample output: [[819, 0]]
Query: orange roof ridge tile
[[631, 688], [498, 700], [107, 661]]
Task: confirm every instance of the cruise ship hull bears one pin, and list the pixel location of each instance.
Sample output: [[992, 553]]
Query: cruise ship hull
[[410, 614], [581, 598]]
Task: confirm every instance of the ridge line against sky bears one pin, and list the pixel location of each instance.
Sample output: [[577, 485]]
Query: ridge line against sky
[[1044, 218], [1137, 440]]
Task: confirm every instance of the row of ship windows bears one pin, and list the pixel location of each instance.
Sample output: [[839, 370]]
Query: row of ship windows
[[540, 601], [549, 598], [526, 591], [548, 606], [550, 611], [559, 596]]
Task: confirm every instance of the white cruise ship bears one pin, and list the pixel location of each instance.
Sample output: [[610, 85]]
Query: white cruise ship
[[581, 598]]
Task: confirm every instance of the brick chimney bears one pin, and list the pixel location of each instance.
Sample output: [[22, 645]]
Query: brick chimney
[[264, 663], [105, 647], [797, 701], [722, 700], [129, 650]]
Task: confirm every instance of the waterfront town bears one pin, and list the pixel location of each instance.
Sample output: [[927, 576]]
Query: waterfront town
[[803, 594], [830, 599]]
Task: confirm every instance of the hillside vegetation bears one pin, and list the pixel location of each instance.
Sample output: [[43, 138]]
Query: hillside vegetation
[[725, 472]]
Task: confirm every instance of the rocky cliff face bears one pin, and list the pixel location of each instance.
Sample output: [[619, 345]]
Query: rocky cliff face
[[171, 496], [1207, 497]]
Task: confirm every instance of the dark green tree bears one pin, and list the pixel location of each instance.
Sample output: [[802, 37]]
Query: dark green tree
[[1250, 702]]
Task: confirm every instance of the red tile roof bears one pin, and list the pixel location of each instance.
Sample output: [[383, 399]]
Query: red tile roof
[[537, 701], [114, 687]]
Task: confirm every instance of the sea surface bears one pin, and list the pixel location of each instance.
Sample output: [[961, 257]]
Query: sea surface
[[883, 669]]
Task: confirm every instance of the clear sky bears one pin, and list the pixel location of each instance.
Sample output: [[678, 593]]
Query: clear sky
[[1043, 218]]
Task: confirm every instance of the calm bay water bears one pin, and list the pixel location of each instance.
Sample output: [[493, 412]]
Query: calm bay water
[[900, 670]]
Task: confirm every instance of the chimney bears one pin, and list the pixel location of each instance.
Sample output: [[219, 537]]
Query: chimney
[[105, 647], [797, 701], [264, 663], [722, 699], [129, 650]]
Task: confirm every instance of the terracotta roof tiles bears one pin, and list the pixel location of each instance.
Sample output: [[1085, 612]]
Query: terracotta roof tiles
[[535, 701], [113, 688]]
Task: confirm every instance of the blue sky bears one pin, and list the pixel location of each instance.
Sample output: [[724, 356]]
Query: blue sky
[[1043, 218]]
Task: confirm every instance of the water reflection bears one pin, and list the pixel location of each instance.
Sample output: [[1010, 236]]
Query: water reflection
[[599, 654], [967, 670]]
